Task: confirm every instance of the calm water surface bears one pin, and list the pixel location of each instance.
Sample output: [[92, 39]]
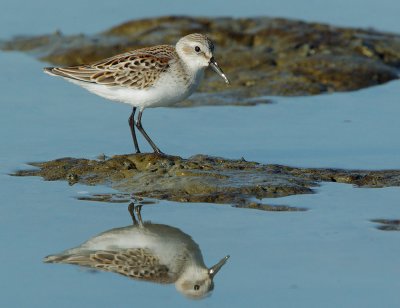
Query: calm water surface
[[328, 256]]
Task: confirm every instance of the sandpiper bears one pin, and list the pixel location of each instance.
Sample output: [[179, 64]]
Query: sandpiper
[[146, 251], [156, 76]]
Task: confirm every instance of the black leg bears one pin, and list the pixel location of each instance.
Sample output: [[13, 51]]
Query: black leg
[[141, 129], [131, 209], [131, 122], [138, 210]]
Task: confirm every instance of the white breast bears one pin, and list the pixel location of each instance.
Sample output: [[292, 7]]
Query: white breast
[[171, 88]]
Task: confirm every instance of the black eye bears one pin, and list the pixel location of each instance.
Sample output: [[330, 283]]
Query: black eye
[[197, 48], [196, 286]]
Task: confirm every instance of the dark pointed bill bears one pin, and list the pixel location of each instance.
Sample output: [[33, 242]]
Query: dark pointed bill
[[214, 269], [218, 70]]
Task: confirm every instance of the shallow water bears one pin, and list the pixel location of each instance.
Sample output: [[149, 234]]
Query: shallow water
[[74, 16], [329, 256]]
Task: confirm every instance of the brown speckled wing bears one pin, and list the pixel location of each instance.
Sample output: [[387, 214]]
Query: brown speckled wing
[[138, 69], [133, 263]]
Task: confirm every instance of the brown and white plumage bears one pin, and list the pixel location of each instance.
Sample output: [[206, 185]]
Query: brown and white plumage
[[139, 263], [138, 69], [149, 252], [149, 77]]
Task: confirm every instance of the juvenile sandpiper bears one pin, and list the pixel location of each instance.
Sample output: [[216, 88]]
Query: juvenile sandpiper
[[146, 251], [156, 76]]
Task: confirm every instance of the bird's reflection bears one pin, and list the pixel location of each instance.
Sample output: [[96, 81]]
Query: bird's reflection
[[146, 251]]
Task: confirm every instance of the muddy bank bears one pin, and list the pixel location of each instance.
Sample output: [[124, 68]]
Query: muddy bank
[[200, 178], [262, 56]]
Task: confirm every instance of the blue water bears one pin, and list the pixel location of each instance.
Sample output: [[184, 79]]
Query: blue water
[[74, 16], [329, 256]]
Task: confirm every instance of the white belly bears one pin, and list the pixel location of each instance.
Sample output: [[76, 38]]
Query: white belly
[[168, 90]]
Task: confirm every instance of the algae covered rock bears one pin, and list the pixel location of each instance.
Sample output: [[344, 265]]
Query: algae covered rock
[[201, 178], [262, 56]]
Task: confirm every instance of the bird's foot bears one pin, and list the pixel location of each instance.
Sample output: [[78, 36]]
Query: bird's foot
[[159, 153]]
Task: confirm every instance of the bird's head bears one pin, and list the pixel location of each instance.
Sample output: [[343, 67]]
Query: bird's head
[[196, 282], [197, 51]]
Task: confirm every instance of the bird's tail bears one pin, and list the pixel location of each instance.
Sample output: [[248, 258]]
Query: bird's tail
[[49, 70], [71, 259]]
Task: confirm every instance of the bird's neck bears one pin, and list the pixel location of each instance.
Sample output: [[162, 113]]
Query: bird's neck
[[193, 271], [193, 69]]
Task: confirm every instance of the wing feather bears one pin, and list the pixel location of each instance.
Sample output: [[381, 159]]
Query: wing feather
[[136, 263], [138, 69]]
